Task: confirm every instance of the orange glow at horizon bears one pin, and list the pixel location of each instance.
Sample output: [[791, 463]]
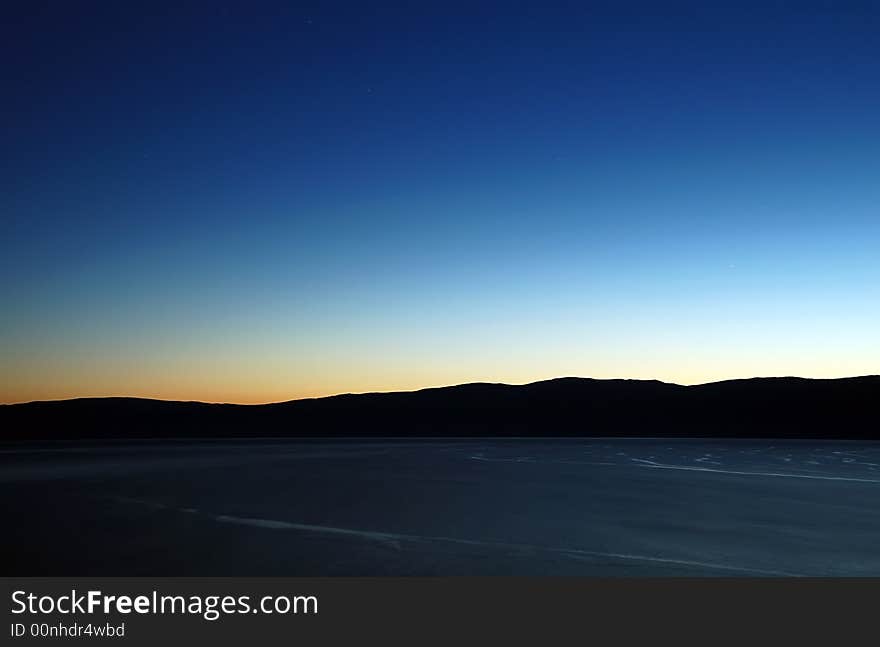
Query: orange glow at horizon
[[262, 392]]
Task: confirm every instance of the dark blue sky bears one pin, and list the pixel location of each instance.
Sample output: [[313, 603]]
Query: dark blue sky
[[253, 202]]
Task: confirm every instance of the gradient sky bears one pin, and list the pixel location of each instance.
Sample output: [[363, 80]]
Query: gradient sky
[[252, 202]]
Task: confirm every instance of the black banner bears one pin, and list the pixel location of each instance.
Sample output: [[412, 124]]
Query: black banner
[[408, 611]]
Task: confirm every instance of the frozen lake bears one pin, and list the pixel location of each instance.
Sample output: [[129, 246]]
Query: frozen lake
[[475, 507]]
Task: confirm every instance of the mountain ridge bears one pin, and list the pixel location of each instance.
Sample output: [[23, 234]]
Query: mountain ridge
[[565, 406]]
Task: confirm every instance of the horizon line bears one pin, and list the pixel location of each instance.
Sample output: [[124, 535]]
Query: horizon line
[[442, 386]]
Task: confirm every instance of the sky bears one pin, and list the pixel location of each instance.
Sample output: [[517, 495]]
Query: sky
[[254, 202]]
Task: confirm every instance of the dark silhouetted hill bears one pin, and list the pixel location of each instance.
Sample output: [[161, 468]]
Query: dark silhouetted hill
[[846, 408]]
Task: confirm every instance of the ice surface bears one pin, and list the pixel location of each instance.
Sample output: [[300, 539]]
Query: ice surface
[[590, 507]]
